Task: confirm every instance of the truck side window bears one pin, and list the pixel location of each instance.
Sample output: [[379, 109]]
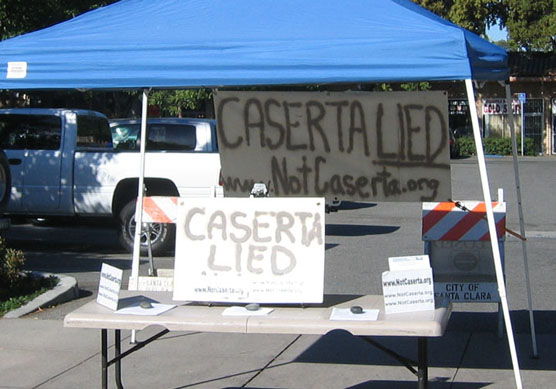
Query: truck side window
[[125, 136], [32, 132], [171, 137], [93, 132], [160, 137]]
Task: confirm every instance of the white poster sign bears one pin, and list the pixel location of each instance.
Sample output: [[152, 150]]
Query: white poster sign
[[109, 286], [500, 107], [467, 292], [389, 146], [16, 70], [256, 250], [408, 286]]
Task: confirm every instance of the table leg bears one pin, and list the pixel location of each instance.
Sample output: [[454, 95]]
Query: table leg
[[118, 352], [104, 357], [422, 363]]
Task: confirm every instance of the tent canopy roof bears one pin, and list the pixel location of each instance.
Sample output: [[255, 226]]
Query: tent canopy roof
[[211, 43]]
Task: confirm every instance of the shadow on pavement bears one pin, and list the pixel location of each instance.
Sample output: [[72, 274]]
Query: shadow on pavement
[[358, 230], [471, 341]]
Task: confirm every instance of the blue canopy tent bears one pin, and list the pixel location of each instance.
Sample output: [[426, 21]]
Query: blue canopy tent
[[214, 43], [195, 43]]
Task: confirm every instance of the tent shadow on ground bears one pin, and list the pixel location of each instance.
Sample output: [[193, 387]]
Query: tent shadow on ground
[[382, 384], [471, 341], [437, 384]]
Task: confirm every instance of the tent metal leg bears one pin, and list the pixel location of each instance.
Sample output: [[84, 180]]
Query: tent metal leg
[[521, 219], [134, 285], [492, 228]]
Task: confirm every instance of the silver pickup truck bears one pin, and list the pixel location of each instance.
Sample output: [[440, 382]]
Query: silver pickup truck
[[67, 162]]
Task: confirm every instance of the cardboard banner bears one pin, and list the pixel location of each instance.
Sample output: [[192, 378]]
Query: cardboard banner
[[254, 250], [389, 146]]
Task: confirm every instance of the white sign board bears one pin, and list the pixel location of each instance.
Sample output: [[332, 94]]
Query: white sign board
[[16, 70], [464, 270], [467, 292], [390, 146], [500, 107], [256, 250], [408, 285], [150, 283], [109, 286]]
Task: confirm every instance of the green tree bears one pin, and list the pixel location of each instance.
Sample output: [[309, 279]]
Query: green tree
[[474, 15], [531, 24], [22, 16], [176, 102]]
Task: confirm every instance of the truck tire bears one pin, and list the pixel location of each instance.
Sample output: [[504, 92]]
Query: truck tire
[[5, 182], [163, 236]]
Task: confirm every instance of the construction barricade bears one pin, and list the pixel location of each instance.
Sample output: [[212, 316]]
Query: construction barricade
[[457, 240]]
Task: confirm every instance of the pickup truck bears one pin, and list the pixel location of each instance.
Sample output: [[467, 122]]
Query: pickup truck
[[70, 162]]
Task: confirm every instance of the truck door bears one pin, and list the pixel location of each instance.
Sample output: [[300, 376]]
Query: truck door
[[33, 146], [12, 141]]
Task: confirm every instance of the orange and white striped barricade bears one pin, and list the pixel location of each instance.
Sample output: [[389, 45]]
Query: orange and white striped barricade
[[457, 241], [160, 209]]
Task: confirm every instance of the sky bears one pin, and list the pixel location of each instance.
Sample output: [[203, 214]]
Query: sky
[[495, 34]]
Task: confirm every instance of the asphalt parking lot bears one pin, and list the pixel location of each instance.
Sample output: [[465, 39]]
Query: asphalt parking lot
[[359, 239]]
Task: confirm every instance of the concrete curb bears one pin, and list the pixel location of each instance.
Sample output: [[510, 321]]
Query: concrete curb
[[66, 290]]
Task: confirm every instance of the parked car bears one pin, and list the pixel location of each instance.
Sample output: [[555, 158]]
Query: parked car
[[64, 162], [187, 161], [5, 189]]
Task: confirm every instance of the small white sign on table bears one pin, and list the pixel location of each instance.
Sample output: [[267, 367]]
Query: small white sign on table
[[256, 250], [109, 286], [408, 285]]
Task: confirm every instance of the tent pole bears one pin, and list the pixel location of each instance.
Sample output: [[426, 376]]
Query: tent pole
[[521, 219], [134, 281], [492, 228]]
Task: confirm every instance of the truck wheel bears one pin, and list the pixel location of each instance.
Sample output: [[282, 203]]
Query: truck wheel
[[5, 182], [162, 236]]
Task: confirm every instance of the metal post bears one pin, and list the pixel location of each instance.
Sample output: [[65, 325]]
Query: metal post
[[520, 210], [492, 229], [134, 284], [522, 127]]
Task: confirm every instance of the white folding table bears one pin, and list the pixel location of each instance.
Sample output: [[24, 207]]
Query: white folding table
[[306, 320]]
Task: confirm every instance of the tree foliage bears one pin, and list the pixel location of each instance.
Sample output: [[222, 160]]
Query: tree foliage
[[474, 15], [177, 102], [531, 24], [22, 16]]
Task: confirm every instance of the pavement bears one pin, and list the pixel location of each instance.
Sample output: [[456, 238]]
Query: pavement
[[41, 353], [472, 354]]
